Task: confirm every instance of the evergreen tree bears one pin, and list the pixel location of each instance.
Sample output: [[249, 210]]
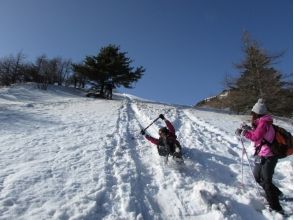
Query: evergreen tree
[[110, 64], [259, 79]]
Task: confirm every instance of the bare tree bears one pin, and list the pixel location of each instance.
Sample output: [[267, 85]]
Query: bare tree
[[11, 69], [41, 66], [63, 70], [6, 64]]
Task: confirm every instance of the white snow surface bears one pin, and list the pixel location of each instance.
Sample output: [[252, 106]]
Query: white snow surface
[[65, 156]]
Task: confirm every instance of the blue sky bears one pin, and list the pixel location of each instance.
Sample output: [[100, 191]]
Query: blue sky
[[186, 46]]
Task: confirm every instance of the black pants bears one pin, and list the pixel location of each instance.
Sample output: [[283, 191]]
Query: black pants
[[164, 150], [108, 93], [263, 173]]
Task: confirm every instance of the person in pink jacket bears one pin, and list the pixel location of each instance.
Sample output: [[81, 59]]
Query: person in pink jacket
[[167, 143], [265, 161]]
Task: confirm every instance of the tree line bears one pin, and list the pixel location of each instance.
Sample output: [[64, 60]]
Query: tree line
[[110, 64], [44, 71], [256, 78]]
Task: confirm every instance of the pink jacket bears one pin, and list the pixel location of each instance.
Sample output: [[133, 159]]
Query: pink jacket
[[264, 130], [171, 129]]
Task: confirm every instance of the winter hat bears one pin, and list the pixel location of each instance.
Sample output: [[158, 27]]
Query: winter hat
[[259, 107]]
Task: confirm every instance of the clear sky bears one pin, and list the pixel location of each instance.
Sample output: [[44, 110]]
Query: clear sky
[[186, 46]]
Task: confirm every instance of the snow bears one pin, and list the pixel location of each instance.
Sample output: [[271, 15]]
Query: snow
[[65, 156]]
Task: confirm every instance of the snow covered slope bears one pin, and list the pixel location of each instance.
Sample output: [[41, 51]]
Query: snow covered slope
[[64, 156]]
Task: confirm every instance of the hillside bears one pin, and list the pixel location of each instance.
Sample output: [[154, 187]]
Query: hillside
[[215, 102], [65, 156]]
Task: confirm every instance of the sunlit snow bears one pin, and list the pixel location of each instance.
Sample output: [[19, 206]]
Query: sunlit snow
[[65, 156]]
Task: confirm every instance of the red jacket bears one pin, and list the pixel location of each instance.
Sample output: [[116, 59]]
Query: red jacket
[[170, 128]]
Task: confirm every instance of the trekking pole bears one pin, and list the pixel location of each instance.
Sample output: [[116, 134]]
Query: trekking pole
[[241, 140], [242, 163], [150, 124]]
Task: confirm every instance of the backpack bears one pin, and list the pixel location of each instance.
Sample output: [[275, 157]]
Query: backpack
[[167, 146], [282, 145]]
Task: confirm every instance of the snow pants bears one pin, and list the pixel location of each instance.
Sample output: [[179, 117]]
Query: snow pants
[[263, 173]]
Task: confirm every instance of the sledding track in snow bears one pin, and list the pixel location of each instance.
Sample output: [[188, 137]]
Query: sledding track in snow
[[168, 179], [131, 192], [181, 182], [79, 158], [211, 180]]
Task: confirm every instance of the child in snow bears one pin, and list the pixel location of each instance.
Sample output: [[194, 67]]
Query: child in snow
[[167, 143], [265, 161]]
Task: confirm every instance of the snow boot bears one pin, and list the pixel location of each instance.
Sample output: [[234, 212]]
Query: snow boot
[[177, 155]]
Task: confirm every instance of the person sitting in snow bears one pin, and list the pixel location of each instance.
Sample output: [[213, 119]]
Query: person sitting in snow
[[167, 143], [265, 161]]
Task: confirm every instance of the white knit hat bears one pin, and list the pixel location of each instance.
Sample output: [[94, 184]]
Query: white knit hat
[[259, 107]]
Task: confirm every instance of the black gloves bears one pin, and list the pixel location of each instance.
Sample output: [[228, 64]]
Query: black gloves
[[246, 127], [161, 116], [238, 131], [142, 132], [242, 130]]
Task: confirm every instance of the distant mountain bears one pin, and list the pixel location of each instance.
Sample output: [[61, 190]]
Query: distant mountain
[[218, 101]]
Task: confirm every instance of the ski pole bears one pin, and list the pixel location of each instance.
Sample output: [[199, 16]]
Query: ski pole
[[241, 140], [150, 124]]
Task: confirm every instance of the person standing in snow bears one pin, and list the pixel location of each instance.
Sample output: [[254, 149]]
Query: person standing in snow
[[262, 131], [167, 143], [108, 90]]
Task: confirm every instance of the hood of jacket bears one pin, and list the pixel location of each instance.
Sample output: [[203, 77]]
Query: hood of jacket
[[265, 119]]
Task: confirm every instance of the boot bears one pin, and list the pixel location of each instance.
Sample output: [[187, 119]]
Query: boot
[[177, 155]]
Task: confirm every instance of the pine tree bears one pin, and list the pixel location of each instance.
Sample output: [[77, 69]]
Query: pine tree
[[110, 65], [259, 79]]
